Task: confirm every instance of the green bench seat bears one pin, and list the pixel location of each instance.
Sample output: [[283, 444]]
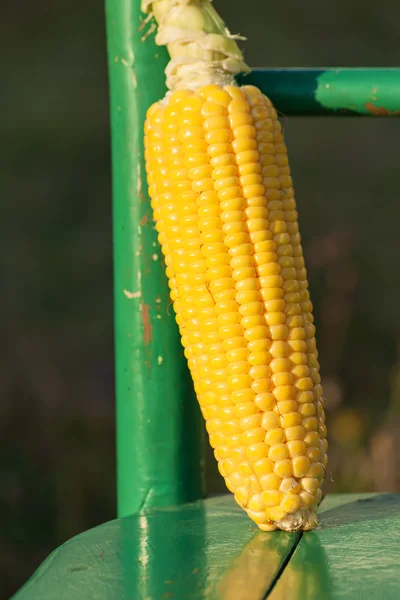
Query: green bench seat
[[211, 550]]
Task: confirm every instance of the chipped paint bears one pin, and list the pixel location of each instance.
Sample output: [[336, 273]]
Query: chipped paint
[[158, 300], [155, 257], [132, 295], [138, 180], [144, 220], [124, 62], [380, 111], [146, 322], [160, 360]]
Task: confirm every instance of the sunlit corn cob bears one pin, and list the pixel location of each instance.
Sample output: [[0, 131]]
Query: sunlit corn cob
[[224, 207]]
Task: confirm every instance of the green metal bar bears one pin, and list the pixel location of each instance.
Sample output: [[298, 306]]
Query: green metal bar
[[159, 450], [341, 92]]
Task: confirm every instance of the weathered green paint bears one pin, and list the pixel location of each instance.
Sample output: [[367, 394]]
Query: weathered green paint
[[357, 91], [158, 421], [207, 550], [354, 554]]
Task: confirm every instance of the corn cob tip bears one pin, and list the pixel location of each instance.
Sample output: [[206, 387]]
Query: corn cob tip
[[201, 48], [301, 520]]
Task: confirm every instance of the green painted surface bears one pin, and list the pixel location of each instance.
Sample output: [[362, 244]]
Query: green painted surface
[[356, 91], [159, 427], [211, 550], [355, 553], [204, 550]]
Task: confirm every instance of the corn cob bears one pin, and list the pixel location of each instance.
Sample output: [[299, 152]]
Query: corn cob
[[224, 207]]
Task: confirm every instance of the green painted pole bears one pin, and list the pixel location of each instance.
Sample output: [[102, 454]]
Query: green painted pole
[[340, 92], [159, 431]]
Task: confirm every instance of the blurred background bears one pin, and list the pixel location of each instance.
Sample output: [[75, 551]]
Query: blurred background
[[56, 374]]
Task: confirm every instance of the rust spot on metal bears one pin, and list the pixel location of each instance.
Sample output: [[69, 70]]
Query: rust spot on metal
[[147, 328], [380, 111], [144, 220]]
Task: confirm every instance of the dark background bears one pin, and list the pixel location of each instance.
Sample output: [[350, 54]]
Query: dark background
[[56, 373]]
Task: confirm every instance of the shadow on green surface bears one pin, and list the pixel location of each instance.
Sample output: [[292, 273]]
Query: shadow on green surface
[[363, 509]]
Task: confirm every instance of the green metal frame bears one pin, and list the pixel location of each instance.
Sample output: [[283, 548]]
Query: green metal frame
[[337, 92], [159, 431]]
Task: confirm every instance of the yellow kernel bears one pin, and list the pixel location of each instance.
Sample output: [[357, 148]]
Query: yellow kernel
[[313, 454], [297, 333], [271, 293], [301, 465], [312, 439], [257, 451], [307, 500], [239, 382], [284, 468], [246, 409], [291, 502], [267, 268], [304, 384], [279, 332], [310, 484], [279, 365], [244, 469], [238, 105], [285, 393], [246, 395], [244, 132], [263, 466], [274, 306], [275, 514], [251, 421], [286, 406], [316, 470], [275, 318], [290, 420], [307, 409], [295, 433], [275, 436], [253, 436], [265, 402], [261, 386], [280, 350], [322, 430], [252, 321], [271, 497], [278, 452], [260, 372], [283, 379], [310, 423], [270, 420], [237, 354], [238, 454], [255, 486], [259, 358], [256, 504], [268, 480], [271, 281], [296, 448], [212, 109], [259, 345], [289, 484], [305, 397], [242, 496], [300, 371], [228, 466]]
